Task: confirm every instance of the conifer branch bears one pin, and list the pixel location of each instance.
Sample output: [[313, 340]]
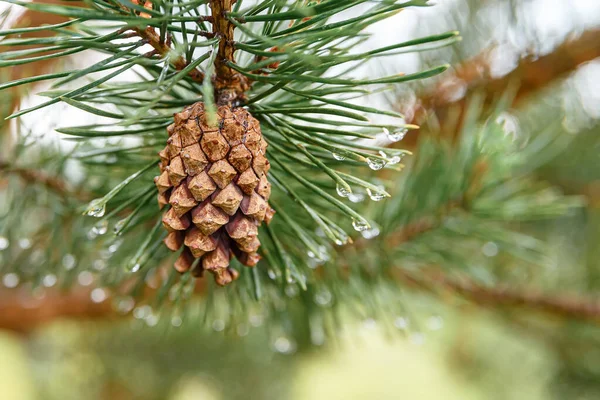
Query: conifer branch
[[52, 183], [532, 74], [438, 282]]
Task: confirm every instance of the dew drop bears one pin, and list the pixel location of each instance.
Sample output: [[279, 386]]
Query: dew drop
[[125, 305], [401, 323], [342, 191], [370, 233], [10, 280], [338, 157], [49, 280], [256, 320], [284, 345], [152, 320], [272, 274], [85, 278], [98, 295], [375, 163], [176, 321], [119, 226], [24, 243], [291, 291], [417, 338], [396, 135], [142, 312], [135, 267], [435, 323], [323, 297], [218, 325], [490, 249], [100, 228], [375, 195], [96, 208], [360, 225], [356, 197], [69, 261], [4, 243]]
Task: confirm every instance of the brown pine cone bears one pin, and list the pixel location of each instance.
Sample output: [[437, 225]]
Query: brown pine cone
[[215, 180]]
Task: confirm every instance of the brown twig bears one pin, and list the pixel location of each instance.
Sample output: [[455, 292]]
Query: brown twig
[[52, 183], [436, 281], [230, 85], [447, 99]]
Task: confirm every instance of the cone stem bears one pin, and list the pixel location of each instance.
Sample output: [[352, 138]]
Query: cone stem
[[229, 84]]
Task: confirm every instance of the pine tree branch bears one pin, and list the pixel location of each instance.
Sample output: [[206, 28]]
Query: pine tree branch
[[22, 312], [437, 282], [162, 48], [447, 98], [52, 183]]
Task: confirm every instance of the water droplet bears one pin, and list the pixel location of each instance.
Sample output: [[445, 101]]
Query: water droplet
[[119, 226], [272, 274], [100, 228], [99, 264], [375, 163], [96, 208], [85, 278], [342, 191], [4, 243], [113, 248], [401, 323], [323, 297], [360, 225], [375, 195], [98, 295], [10, 280], [417, 338], [49, 280], [135, 267], [24, 243], [176, 321], [142, 312], [69, 261], [338, 157], [125, 305], [435, 323], [396, 135], [490, 249], [284, 345], [256, 320], [370, 233], [218, 325], [152, 320], [356, 197], [370, 324], [291, 291]]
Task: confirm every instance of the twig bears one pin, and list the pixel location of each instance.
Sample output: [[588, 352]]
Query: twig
[[436, 281], [447, 99], [53, 183], [230, 85]]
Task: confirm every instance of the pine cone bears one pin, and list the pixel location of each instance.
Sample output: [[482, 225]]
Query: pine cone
[[215, 180]]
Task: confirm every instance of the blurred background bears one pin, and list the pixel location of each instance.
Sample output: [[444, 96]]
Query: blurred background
[[79, 345]]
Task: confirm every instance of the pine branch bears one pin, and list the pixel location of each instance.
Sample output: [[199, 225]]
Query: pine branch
[[449, 96], [437, 282], [21, 312], [52, 183]]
